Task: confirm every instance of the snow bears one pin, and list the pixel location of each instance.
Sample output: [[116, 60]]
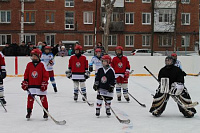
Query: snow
[[81, 118]]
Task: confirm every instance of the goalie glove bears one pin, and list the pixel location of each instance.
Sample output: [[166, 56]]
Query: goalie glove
[[68, 73], [44, 86], [111, 88], [90, 68], [87, 74], [24, 85], [95, 86]]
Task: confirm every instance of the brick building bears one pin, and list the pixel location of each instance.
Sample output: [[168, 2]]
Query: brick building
[[74, 20]]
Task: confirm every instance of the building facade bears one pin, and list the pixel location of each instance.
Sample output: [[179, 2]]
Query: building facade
[[70, 21]]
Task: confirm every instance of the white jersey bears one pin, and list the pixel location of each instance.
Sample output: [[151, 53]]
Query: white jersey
[[178, 64], [46, 58], [97, 62]]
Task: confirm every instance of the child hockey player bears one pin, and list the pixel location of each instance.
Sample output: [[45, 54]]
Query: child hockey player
[[96, 60], [2, 76], [121, 66], [36, 81], [48, 59], [78, 71], [104, 85]]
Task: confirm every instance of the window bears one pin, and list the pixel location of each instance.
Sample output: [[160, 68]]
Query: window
[[50, 0], [112, 40], [69, 20], [146, 40], [115, 17], [167, 15], [50, 39], [5, 16], [87, 0], [30, 38], [185, 1], [29, 16], [4, 38], [130, 0], [50, 16], [129, 18], [28, 0], [185, 18], [165, 40], [146, 1], [146, 18], [185, 41], [69, 3], [88, 40], [88, 17], [129, 40]]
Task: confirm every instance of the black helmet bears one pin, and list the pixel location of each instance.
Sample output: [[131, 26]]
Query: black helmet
[[169, 61]]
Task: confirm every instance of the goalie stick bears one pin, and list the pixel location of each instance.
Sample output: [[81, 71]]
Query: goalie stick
[[194, 74], [120, 120], [57, 122], [90, 104], [185, 106], [3, 106]]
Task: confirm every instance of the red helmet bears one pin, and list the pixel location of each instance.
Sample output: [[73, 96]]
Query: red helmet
[[107, 58], [36, 52], [119, 47], [47, 47], [78, 47], [98, 50], [174, 55]]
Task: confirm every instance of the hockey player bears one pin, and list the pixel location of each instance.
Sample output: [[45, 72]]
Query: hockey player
[[48, 59], [36, 81], [104, 85], [78, 71], [2, 76], [121, 66], [172, 84], [96, 60], [176, 62]]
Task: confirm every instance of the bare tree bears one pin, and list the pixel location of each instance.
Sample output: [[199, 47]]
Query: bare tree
[[109, 5]]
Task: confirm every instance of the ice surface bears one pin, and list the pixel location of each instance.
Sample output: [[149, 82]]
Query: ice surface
[[81, 118]]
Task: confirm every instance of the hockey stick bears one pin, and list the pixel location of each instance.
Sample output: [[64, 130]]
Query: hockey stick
[[193, 74], [120, 120], [90, 104], [57, 122], [143, 105], [185, 106], [3, 106]]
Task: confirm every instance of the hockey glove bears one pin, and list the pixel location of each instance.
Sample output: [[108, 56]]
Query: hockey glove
[[68, 73], [87, 74], [2, 73], [90, 68], [44, 86], [51, 62], [95, 86], [126, 74], [24, 85], [111, 88]]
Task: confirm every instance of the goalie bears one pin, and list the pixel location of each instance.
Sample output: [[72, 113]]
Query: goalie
[[171, 80]]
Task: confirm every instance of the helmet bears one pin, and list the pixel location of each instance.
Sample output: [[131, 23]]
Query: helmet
[[174, 55], [107, 58], [47, 47], [98, 50], [78, 47], [169, 61], [36, 52], [119, 47]]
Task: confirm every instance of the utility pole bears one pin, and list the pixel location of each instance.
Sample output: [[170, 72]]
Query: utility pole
[[22, 22], [175, 24], [95, 25], [152, 26]]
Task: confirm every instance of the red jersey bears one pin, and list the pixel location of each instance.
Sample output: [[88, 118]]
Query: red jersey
[[2, 61], [78, 65], [120, 65], [35, 75]]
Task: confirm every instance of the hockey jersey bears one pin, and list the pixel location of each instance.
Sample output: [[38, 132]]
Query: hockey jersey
[[178, 64], [2, 61], [97, 62], [46, 58], [78, 65], [120, 65]]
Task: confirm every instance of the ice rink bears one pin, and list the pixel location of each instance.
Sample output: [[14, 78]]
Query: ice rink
[[81, 118]]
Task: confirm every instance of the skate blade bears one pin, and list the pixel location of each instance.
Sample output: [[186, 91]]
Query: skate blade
[[28, 119], [45, 119]]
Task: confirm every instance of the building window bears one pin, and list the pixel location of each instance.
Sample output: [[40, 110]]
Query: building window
[[185, 41], [130, 0], [167, 15], [50, 39], [69, 20], [88, 17], [185, 1], [129, 40], [146, 1], [50, 16], [129, 18], [28, 0], [146, 40], [69, 3], [115, 17], [4, 38], [88, 40], [146, 18], [185, 18], [29, 16], [5, 16], [165, 40], [30, 38], [87, 0]]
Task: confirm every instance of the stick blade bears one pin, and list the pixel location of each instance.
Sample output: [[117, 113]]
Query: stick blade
[[91, 104], [125, 121], [143, 105], [60, 122]]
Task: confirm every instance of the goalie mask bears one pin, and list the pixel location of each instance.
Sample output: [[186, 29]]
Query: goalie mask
[[169, 61]]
